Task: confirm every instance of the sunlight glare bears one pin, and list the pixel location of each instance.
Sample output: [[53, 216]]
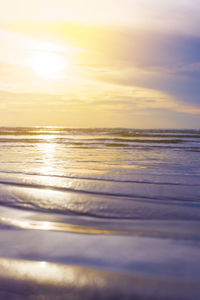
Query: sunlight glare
[[48, 65]]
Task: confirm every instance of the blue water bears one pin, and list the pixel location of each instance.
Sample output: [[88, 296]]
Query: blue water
[[112, 172], [119, 200]]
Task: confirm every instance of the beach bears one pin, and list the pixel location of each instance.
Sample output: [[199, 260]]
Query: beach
[[99, 213]]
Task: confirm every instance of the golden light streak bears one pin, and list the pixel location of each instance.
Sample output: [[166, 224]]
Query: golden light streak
[[55, 226]]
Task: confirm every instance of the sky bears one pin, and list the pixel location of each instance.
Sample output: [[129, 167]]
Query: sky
[[98, 63]]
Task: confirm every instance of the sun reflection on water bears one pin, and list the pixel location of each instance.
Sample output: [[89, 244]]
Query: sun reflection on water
[[47, 151], [41, 271]]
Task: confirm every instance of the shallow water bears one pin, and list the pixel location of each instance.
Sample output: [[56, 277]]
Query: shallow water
[[119, 200]]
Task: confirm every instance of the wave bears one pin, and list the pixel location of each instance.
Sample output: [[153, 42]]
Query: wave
[[101, 199], [122, 205], [116, 131], [136, 178], [180, 190], [119, 173], [84, 138]]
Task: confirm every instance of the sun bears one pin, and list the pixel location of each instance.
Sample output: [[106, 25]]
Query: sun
[[48, 64]]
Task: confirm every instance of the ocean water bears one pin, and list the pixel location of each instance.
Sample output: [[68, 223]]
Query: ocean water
[[123, 201]]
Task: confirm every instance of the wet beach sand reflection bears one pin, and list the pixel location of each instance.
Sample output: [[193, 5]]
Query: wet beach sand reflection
[[21, 279]]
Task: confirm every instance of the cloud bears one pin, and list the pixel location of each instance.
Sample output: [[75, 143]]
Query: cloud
[[120, 72], [169, 63], [147, 58], [174, 16]]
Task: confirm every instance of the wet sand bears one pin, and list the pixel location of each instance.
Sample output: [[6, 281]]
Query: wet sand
[[54, 259]]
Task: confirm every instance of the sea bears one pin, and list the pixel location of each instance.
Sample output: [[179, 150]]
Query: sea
[[99, 213]]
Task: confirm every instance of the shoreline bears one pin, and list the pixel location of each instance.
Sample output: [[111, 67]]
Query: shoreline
[[20, 279], [55, 264]]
